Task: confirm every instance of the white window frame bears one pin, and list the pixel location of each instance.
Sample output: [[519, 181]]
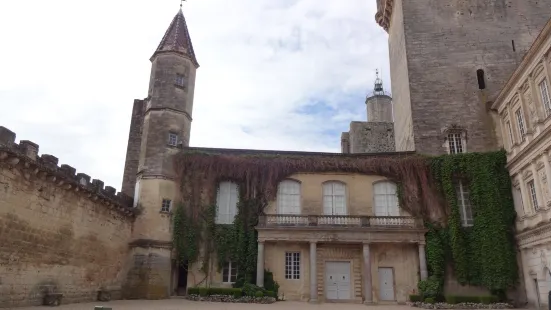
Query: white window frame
[[464, 204], [228, 275], [227, 199], [334, 193], [520, 123], [455, 143], [533, 195], [386, 199], [545, 96], [292, 265], [288, 197], [180, 80], [510, 129], [166, 205], [172, 139]]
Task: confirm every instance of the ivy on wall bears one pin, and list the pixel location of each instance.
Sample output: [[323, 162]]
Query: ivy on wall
[[483, 254]]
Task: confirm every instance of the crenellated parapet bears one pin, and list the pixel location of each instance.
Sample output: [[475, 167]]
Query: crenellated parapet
[[24, 157]]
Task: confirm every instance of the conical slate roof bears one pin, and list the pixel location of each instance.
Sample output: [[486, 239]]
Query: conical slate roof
[[177, 39]]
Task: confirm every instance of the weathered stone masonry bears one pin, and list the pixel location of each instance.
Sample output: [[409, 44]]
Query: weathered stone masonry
[[58, 230]]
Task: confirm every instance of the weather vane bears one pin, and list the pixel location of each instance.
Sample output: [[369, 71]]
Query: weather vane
[[181, 3]]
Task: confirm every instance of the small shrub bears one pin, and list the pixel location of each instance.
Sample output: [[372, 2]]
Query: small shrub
[[193, 291], [270, 294], [224, 291], [429, 300], [415, 298], [259, 294], [203, 291], [237, 294], [251, 289], [488, 299]]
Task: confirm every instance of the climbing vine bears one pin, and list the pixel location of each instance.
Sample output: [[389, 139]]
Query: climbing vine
[[483, 254]]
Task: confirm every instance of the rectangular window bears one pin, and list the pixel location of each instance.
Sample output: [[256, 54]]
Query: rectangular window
[[334, 198], [464, 204], [520, 121], [172, 139], [545, 98], [229, 272], [511, 138], [455, 143], [165, 206], [292, 265], [180, 80], [533, 196], [226, 203]]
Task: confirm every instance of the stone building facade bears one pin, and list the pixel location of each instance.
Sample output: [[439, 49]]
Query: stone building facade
[[447, 60], [377, 134], [523, 123], [60, 232]]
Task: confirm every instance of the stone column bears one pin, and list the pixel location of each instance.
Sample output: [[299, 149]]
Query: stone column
[[260, 265], [313, 273], [367, 281], [423, 262], [537, 185]]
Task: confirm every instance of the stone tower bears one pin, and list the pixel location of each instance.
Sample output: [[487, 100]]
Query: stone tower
[[379, 104], [448, 59], [377, 134], [160, 126]]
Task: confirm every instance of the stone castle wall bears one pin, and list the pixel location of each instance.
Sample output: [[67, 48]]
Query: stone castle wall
[[133, 148], [436, 48], [371, 137], [58, 231]]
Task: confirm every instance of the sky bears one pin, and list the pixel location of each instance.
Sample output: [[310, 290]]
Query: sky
[[274, 74]]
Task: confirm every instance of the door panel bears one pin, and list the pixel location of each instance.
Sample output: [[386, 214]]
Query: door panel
[[337, 280], [386, 284]]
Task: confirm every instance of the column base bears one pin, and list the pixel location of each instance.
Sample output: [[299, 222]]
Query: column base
[[368, 302], [313, 301]]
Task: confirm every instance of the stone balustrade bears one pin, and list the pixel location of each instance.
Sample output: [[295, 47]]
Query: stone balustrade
[[318, 221]]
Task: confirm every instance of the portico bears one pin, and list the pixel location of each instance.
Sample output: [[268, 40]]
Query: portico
[[353, 259]]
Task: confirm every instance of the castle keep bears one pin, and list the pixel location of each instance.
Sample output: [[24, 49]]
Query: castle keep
[[467, 76]]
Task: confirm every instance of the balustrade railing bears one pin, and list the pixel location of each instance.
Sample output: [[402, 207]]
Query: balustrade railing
[[293, 220]]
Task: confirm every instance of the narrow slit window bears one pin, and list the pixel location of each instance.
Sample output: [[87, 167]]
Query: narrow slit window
[[514, 47], [481, 79]]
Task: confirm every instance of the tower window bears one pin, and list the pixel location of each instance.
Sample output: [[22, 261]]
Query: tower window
[[172, 139], [180, 80], [455, 143], [165, 206], [481, 79]]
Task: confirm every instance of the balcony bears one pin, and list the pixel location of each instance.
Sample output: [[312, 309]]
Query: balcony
[[340, 229], [337, 221]]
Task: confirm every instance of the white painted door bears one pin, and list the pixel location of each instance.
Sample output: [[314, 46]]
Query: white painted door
[[386, 284], [337, 280]]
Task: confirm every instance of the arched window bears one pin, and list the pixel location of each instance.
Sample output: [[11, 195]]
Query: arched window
[[386, 199], [481, 79], [226, 202], [288, 197], [334, 198]]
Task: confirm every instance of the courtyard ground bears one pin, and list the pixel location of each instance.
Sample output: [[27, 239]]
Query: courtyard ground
[[179, 304]]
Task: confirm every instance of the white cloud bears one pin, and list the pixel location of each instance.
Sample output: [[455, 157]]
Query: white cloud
[[71, 69]]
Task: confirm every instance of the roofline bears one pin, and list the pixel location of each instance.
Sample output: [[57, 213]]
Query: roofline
[[296, 153], [513, 79]]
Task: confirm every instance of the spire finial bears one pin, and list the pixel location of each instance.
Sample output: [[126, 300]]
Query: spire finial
[[181, 3], [378, 90]]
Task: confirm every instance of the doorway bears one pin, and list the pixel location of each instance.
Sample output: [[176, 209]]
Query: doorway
[[386, 284], [337, 279], [181, 288]]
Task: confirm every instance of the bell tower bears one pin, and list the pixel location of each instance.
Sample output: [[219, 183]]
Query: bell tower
[[160, 126]]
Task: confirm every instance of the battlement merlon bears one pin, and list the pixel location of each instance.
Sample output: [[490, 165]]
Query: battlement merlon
[[384, 13], [25, 157]]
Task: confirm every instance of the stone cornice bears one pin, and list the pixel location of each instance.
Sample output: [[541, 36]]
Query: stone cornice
[[24, 158], [384, 13], [535, 236], [524, 65]]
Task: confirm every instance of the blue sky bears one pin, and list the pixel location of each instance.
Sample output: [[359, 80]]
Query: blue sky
[[285, 74]]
